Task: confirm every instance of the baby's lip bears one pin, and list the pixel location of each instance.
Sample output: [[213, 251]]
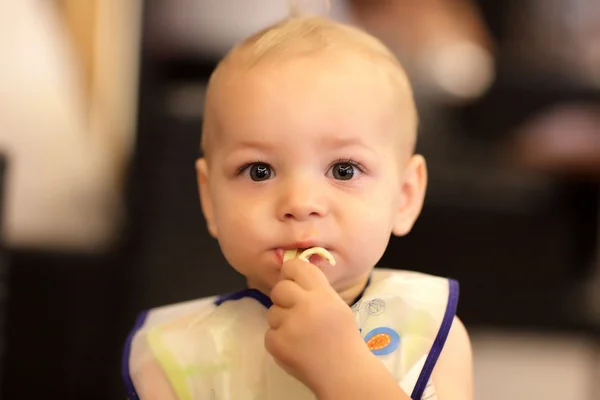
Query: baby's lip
[[304, 245], [279, 254], [300, 246]]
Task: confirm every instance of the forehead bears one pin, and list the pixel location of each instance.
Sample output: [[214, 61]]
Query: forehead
[[331, 92]]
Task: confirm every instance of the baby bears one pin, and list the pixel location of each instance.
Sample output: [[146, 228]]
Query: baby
[[308, 143]]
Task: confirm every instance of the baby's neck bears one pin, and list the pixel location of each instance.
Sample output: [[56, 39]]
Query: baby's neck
[[351, 293]]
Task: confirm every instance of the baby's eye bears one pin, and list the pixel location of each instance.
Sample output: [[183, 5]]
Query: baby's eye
[[344, 171], [259, 171]]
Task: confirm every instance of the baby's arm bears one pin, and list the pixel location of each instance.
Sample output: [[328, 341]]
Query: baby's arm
[[307, 313], [453, 373], [313, 336], [368, 378]]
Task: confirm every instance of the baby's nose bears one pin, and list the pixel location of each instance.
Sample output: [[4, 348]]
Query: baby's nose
[[302, 201]]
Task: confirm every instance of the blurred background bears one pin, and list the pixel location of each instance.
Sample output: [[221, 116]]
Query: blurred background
[[100, 117]]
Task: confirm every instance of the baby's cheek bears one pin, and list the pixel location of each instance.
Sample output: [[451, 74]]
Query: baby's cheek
[[241, 233], [231, 230], [236, 252], [370, 238]]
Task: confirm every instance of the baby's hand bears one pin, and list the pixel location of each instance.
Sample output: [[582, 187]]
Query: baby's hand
[[312, 332]]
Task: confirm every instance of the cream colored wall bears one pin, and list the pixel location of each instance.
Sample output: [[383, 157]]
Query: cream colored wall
[[67, 118]]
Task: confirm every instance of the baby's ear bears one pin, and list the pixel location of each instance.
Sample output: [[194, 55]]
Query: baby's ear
[[412, 195], [203, 177]]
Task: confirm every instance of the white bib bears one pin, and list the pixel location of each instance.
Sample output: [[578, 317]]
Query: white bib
[[213, 348]]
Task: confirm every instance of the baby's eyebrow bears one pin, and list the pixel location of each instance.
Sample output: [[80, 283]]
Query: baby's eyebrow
[[326, 141], [339, 141], [253, 144]]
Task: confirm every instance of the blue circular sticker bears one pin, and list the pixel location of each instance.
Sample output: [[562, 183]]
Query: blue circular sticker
[[382, 341]]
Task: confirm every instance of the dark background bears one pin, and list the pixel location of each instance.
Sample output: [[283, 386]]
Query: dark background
[[521, 243]]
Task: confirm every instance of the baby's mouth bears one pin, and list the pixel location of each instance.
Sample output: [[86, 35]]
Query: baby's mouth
[[314, 255]]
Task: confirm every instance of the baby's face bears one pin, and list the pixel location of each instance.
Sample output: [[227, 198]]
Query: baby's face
[[304, 154]]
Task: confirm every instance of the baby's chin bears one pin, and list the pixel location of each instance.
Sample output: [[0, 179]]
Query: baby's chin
[[262, 284], [351, 286]]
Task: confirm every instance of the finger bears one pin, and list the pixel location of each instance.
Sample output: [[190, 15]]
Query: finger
[[275, 316], [276, 345], [306, 275], [286, 293], [271, 342]]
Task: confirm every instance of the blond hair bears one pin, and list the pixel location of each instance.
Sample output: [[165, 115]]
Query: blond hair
[[299, 36]]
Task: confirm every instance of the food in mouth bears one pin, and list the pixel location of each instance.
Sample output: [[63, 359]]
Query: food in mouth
[[306, 254]]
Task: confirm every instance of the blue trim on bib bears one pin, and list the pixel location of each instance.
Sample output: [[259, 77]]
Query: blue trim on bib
[[253, 293], [263, 298], [129, 386], [438, 343]]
